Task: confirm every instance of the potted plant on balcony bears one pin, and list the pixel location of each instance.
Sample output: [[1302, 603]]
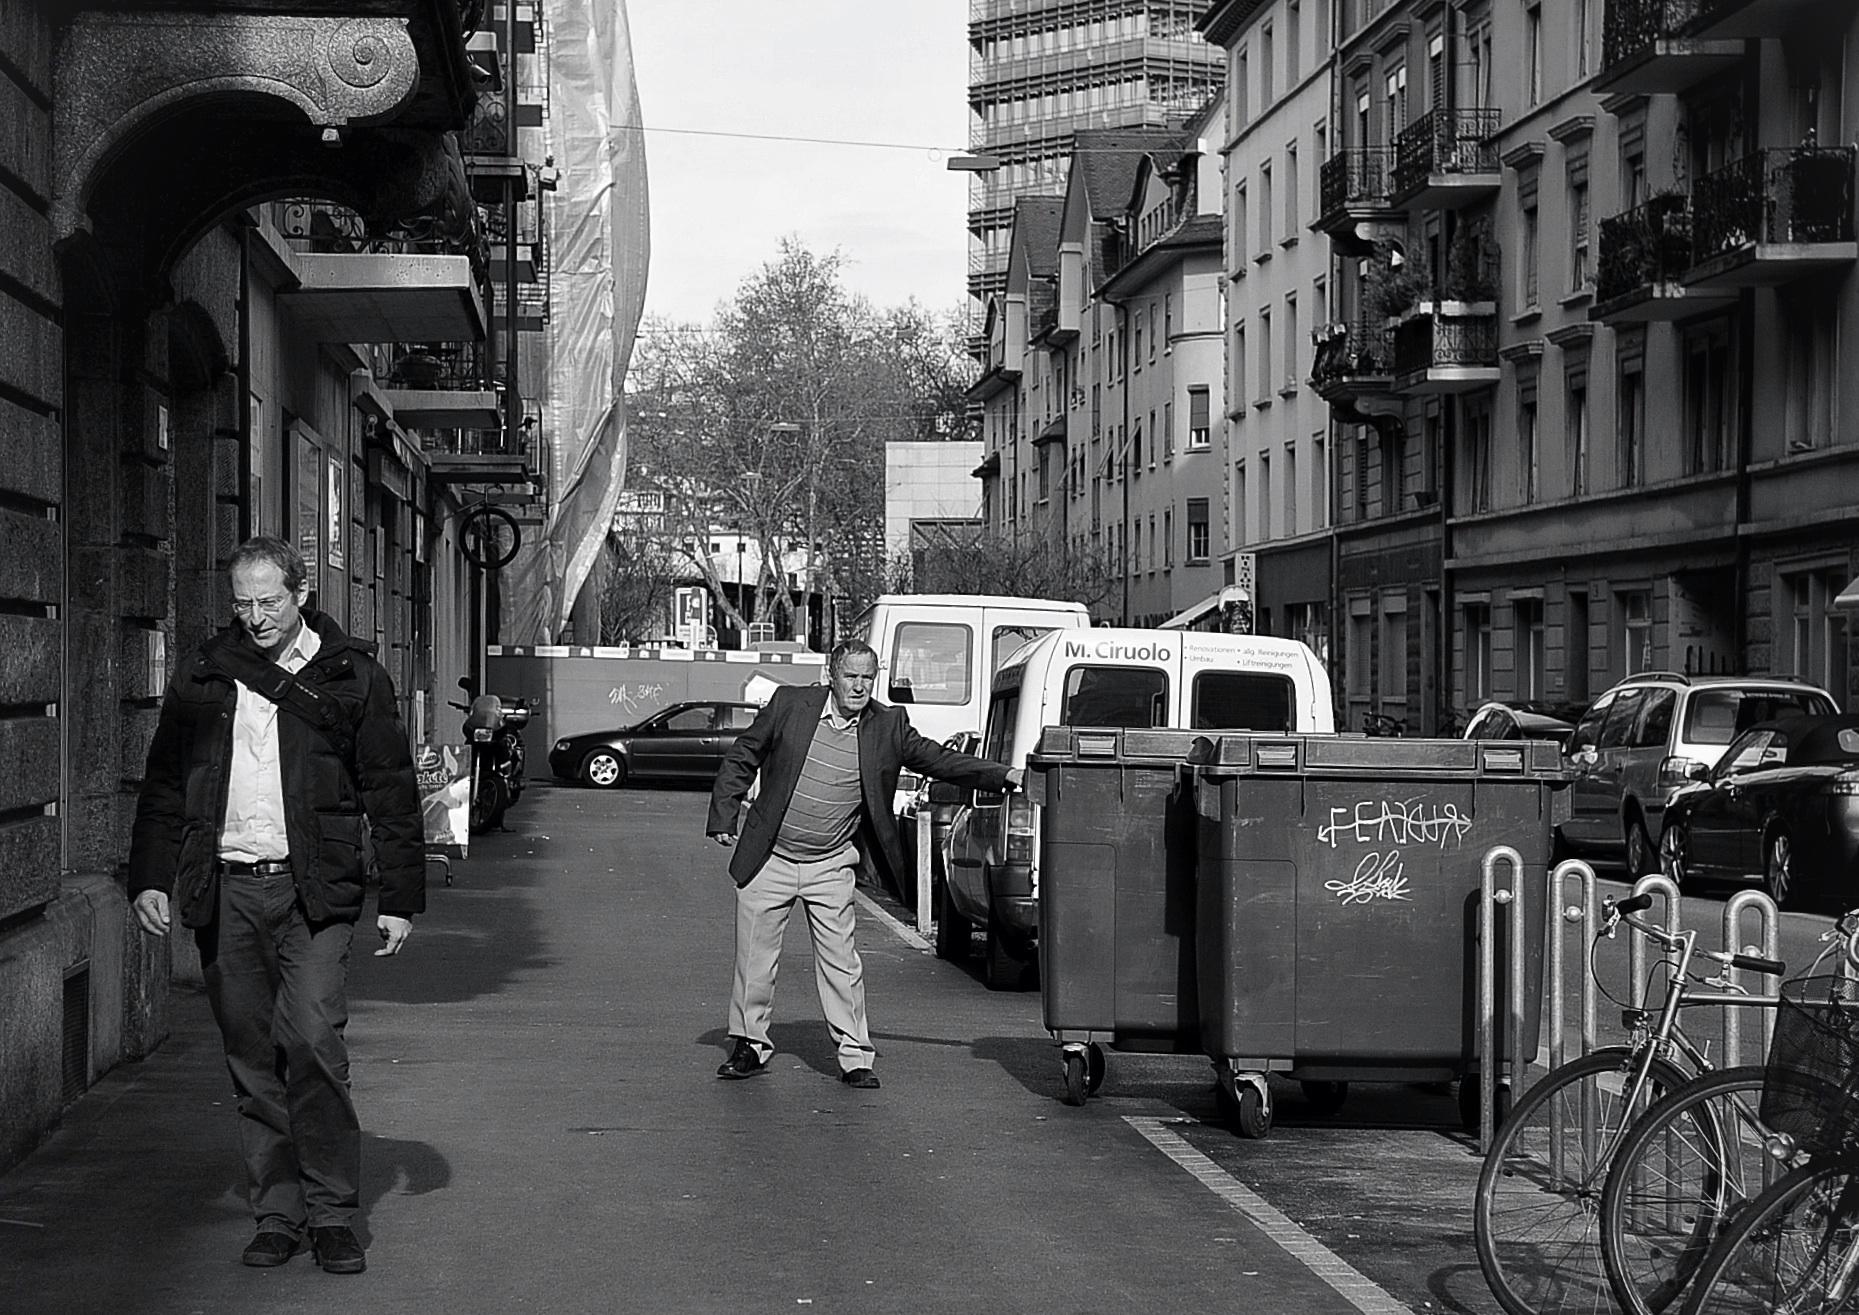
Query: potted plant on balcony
[[1394, 285], [1471, 269]]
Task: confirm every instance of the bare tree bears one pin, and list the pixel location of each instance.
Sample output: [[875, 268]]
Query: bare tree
[[636, 587]]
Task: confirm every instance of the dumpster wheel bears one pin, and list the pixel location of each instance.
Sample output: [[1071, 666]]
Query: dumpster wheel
[[1245, 1104], [1093, 1068], [1076, 1082]]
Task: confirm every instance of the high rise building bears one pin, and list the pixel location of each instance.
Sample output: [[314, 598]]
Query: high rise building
[[1040, 70]]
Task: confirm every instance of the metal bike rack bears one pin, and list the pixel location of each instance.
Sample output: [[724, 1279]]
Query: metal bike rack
[[1586, 916], [1666, 889], [926, 858], [1489, 898], [1769, 948]]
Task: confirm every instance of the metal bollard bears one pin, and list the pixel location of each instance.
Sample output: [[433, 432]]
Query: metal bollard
[[1666, 889], [926, 853], [1489, 898], [1587, 916], [1770, 948]]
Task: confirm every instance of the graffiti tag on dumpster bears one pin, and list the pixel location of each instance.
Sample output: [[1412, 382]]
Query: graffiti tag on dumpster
[[1377, 876], [1395, 822]]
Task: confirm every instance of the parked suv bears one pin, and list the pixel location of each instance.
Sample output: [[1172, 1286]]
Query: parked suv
[[1650, 735]]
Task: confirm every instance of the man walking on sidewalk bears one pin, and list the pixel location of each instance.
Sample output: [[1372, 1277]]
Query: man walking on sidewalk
[[278, 757], [828, 759]]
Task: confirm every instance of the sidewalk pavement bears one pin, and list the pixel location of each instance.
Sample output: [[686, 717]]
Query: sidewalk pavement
[[544, 1130]]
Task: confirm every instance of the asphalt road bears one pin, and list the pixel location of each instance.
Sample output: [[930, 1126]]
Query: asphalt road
[[544, 1131]]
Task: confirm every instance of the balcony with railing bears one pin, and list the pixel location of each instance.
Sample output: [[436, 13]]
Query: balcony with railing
[[1645, 253], [1647, 47], [1446, 159], [1353, 186], [1772, 217], [1352, 361], [1755, 18], [1446, 347]]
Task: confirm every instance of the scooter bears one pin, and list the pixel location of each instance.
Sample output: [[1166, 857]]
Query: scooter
[[493, 729]]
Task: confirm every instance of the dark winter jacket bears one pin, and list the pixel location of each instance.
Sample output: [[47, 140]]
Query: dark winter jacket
[[331, 807], [776, 746]]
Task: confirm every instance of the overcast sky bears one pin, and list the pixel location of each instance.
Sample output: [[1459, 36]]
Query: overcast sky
[[870, 70]]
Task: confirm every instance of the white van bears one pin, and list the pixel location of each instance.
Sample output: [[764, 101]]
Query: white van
[[1129, 678], [937, 651]]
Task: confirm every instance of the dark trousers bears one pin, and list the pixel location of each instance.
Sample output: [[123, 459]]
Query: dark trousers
[[277, 985]]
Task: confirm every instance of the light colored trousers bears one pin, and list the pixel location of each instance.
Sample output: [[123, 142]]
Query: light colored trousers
[[824, 889]]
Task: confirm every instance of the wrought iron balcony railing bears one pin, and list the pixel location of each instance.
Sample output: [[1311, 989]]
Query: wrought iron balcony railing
[[1633, 26], [1438, 339], [1351, 356], [1781, 195], [459, 367], [1445, 142], [1644, 247], [1354, 179]]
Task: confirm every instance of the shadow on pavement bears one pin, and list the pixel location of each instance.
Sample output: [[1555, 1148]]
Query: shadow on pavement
[[806, 1041]]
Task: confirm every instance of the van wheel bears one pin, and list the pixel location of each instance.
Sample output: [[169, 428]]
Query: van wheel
[[1003, 970], [1642, 858], [954, 933]]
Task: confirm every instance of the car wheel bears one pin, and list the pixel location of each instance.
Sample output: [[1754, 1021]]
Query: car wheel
[[604, 768], [1778, 867], [1641, 856], [1675, 853]]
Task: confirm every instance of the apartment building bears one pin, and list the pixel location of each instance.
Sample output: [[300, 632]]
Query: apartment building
[[1278, 285]]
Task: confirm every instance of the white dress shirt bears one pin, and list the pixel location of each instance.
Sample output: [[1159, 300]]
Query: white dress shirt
[[254, 830]]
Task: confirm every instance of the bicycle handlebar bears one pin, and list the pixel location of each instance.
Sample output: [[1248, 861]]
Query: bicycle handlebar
[[1769, 967], [1633, 904]]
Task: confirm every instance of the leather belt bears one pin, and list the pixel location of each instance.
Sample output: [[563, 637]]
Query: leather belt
[[271, 867]]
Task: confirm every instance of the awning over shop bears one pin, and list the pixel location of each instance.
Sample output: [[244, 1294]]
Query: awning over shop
[[385, 298], [1186, 619]]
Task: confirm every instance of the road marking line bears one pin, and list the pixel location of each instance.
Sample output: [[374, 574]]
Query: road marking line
[[1359, 1291], [902, 932]]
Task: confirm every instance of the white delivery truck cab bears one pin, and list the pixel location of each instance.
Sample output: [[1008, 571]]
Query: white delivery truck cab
[[1109, 678], [936, 652]]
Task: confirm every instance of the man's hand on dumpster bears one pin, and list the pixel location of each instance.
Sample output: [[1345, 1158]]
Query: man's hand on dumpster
[[394, 932], [152, 912], [1015, 778], [723, 838]]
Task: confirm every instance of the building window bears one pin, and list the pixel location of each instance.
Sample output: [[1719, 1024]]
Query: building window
[[1478, 456], [1392, 480], [1136, 449], [1361, 474], [1136, 339], [1265, 209], [1529, 292], [1575, 423], [1288, 478], [1710, 397], [1528, 463], [1152, 333], [1319, 482], [1811, 323], [1168, 536], [1266, 52], [1361, 647], [1154, 442], [1265, 353], [1533, 55], [1294, 22], [1290, 376], [1097, 410], [1168, 431], [1200, 432], [1241, 231], [1197, 530], [1238, 373], [1394, 103], [1630, 395], [1477, 652], [1527, 615], [1291, 214], [1580, 274], [1635, 609], [1242, 67], [1168, 321], [1584, 22], [1815, 633], [1242, 531], [1575, 648], [1394, 652], [1265, 495]]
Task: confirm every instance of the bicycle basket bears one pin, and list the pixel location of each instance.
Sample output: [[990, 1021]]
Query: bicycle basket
[[1810, 1085]]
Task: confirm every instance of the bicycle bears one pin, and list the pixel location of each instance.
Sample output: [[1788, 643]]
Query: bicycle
[[1686, 1166], [1795, 1248], [1536, 1218]]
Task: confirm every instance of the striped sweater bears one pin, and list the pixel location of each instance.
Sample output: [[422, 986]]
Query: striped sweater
[[824, 811]]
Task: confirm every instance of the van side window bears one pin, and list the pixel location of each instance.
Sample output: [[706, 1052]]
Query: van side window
[[1618, 731], [1131, 697], [1656, 719], [929, 663], [1588, 730], [1002, 714], [1009, 640], [1242, 701]]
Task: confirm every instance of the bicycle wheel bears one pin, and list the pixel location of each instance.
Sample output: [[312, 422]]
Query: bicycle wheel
[[1788, 1251], [1537, 1215], [1681, 1170]]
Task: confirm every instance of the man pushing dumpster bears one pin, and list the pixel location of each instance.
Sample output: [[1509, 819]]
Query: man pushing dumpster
[[828, 757]]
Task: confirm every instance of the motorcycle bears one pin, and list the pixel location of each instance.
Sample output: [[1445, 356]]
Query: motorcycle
[[493, 730]]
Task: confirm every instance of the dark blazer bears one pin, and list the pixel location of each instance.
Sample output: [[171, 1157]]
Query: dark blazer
[[328, 803], [776, 746]]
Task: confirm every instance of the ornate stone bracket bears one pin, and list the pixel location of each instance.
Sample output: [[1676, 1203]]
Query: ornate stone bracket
[[118, 72]]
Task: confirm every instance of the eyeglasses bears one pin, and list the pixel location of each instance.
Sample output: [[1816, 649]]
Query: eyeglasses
[[252, 607]]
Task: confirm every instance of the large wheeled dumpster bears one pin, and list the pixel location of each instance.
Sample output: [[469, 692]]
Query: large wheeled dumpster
[[1116, 894], [1337, 905]]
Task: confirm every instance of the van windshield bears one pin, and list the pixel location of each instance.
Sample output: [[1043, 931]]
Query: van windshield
[[1242, 701], [1133, 697], [1717, 716], [929, 663]]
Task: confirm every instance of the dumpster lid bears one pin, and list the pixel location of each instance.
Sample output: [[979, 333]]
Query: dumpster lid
[[1535, 759], [1058, 744]]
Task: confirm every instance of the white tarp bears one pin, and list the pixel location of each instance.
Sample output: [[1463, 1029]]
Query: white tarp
[[600, 245]]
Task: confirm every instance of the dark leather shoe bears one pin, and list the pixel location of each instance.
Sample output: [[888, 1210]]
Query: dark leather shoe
[[742, 1062], [270, 1248], [337, 1249], [862, 1078]]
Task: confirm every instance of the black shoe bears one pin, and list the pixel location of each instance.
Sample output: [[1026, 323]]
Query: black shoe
[[862, 1078], [337, 1250], [270, 1248], [742, 1062]]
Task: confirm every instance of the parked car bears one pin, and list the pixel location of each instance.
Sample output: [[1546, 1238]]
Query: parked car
[[1646, 738], [686, 741], [1503, 719], [1780, 807]]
